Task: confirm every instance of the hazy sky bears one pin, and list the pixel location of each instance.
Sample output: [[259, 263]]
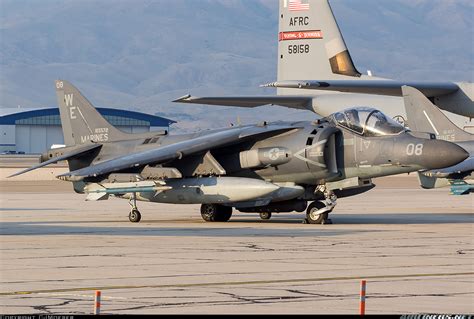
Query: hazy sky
[[142, 54]]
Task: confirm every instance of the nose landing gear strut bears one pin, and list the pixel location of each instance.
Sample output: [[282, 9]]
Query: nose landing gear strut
[[318, 211]]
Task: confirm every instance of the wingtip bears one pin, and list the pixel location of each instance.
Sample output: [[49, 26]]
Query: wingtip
[[183, 98], [18, 173]]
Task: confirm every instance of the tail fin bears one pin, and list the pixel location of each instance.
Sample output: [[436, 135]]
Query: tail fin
[[424, 116], [310, 44], [81, 122]]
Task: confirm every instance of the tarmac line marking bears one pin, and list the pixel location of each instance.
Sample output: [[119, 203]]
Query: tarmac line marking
[[231, 283], [82, 296]]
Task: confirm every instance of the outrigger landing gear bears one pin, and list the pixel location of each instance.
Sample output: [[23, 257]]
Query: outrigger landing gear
[[134, 215], [318, 211]]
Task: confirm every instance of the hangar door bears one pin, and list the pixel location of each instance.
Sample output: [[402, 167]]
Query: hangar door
[[37, 138]]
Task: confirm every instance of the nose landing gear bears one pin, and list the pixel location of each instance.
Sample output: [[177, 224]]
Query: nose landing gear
[[318, 211]]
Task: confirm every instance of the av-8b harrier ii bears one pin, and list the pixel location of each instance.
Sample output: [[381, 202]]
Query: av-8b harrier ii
[[263, 168]]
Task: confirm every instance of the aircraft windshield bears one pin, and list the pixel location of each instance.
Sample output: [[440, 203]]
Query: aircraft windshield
[[368, 122]]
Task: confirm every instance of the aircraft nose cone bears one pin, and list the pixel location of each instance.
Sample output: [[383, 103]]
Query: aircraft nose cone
[[439, 154]]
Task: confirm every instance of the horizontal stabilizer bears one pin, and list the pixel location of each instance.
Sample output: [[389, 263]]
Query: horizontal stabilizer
[[381, 87], [295, 102], [70, 155]]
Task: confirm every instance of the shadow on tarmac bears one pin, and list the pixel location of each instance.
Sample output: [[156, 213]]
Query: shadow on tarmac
[[237, 226], [404, 219], [360, 219], [144, 229]]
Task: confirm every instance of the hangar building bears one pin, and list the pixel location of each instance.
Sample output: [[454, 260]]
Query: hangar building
[[34, 130]]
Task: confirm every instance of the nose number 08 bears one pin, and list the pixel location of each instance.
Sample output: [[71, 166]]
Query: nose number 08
[[413, 149]]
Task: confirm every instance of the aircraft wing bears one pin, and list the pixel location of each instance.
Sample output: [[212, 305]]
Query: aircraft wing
[[64, 157], [177, 150], [295, 102], [381, 87]]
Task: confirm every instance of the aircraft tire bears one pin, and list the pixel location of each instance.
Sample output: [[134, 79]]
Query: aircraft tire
[[215, 213], [312, 217], [134, 216], [265, 215]]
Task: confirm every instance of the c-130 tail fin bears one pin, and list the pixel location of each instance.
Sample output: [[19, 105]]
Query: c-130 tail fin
[[310, 44]]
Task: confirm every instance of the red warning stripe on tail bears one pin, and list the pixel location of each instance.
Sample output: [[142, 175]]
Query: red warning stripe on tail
[[300, 35]]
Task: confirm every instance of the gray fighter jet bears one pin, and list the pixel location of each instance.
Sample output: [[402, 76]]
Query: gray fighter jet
[[316, 72], [263, 168], [424, 116]]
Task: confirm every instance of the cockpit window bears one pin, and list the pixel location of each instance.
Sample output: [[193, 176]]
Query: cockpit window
[[378, 124], [368, 122], [349, 119]]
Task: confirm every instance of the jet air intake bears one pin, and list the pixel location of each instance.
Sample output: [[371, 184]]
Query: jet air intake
[[322, 153]]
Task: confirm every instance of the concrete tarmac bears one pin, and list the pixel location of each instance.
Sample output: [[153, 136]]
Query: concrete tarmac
[[413, 246]]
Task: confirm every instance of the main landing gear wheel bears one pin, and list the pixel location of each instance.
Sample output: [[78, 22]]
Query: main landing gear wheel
[[215, 213], [134, 215], [265, 216]]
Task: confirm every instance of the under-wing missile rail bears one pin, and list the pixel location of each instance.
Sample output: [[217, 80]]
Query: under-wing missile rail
[[101, 191]]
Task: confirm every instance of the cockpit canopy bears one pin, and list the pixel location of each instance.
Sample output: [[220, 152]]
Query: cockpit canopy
[[367, 121]]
